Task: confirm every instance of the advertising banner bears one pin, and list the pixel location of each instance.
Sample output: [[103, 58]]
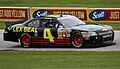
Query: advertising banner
[[81, 13], [13, 13], [103, 14]]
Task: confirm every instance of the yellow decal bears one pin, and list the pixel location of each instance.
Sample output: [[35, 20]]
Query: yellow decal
[[60, 34], [66, 28], [29, 29], [32, 30], [35, 30], [14, 29], [20, 30], [24, 29], [47, 35]]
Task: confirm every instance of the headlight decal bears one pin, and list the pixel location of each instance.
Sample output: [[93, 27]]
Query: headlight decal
[[88, 34]]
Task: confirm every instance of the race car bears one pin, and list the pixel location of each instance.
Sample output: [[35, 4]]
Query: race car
[[58, 29]]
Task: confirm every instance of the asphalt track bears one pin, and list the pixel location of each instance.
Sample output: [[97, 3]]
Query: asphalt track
[[12, 46]]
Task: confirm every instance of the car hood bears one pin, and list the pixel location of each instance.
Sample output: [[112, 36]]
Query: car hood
[[91, 27]]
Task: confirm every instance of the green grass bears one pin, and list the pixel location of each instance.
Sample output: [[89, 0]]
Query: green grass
[[2, 25], [61, 3], [59, 60]]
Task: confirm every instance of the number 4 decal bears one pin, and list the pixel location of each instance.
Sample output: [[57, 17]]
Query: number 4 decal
[[47, 35]]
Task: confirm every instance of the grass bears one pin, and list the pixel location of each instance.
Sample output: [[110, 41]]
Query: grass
[[2, 25], [59, 60], [61, 3]]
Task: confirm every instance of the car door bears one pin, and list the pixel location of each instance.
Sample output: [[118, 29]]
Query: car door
[[47, 33], [59, 34], [51, 32]]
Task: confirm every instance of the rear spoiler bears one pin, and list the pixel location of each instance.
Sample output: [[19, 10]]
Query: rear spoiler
[[10, 23]]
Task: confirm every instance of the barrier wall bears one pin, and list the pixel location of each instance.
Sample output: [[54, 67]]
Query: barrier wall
[[13, 13], [85, 14], [81, 13]]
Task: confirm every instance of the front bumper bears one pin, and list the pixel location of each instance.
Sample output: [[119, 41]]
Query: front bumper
[[99, 39]]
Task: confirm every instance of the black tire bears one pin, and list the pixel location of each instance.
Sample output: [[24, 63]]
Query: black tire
[[113, 36], [77, 40], [26, 40]]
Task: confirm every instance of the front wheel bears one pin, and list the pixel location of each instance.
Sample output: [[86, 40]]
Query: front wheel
[[77, 40], [25, 40]]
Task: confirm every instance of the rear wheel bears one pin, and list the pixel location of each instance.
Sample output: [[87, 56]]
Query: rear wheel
[[77, 40], [26, 41]]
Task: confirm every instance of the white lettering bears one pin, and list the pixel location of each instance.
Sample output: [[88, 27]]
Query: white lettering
[[96, 15]]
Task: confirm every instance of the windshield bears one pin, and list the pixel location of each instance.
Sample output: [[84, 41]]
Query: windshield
[[70, 21]]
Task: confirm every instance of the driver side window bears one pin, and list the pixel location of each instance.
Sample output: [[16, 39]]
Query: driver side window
[[49, 23], [34, 23]]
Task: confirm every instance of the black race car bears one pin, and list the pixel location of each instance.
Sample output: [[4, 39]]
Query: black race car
[[58, 29]]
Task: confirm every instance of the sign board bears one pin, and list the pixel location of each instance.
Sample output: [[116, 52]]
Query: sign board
[[103, 14], [85, 14], [81, 13], [13, 13]]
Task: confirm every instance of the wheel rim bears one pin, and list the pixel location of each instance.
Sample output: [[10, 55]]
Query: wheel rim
[[78, 40], [26, 40]]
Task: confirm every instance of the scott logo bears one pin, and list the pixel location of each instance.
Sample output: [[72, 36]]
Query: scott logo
[[98, 15], [40, 13]]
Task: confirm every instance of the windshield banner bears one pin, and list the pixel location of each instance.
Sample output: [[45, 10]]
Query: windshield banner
[[80, 13]]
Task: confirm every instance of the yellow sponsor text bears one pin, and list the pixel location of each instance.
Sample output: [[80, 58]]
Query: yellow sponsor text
[[24, 29]]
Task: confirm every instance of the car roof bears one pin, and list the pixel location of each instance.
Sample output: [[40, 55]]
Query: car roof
[[58, 17]]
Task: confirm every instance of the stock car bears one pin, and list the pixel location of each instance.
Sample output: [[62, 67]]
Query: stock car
[[58, 29]]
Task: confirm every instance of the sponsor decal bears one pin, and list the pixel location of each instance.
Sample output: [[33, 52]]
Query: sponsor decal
[[40, 13], [98, 15], [35, 34], [67, 34], [24, 29], [9, 28], [60, 34], [105, 36], [105, 29], [64, 32]]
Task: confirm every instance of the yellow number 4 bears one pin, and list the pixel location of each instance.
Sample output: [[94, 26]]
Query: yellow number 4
[[47, 35]]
